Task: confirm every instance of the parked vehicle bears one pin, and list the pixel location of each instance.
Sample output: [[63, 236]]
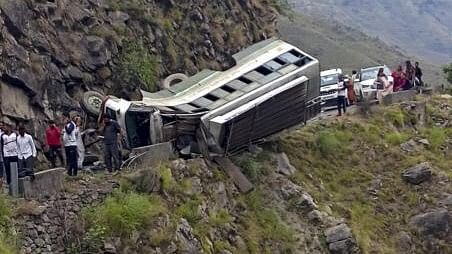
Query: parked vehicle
[[329, 80], [368, 83], [273, 86]]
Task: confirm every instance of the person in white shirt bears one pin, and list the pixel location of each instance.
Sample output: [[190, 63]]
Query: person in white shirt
[[26, 150], [70, 145], [1, 156], [9, 146], [80, 145], [341, 96]]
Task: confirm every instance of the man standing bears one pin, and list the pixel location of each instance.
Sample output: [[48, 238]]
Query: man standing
[[53, 140], [26, 150], [1, 157], [341, 96], [9, 146], [111, 132], [70, 145], [418, 73]]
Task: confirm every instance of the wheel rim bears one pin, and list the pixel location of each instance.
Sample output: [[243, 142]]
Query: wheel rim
[[95, 102]]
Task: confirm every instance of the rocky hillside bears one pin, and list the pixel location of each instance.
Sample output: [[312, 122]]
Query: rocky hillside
[[377, 181], [418, 27], [53, 51]]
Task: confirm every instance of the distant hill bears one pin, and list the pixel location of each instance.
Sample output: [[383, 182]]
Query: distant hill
[[419, 27], [337, 45]]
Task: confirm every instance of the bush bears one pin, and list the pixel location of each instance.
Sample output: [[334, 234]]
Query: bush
[[332, 142], [190, 210], [124, 213], [395, 138], [136, 64], [436, 136]]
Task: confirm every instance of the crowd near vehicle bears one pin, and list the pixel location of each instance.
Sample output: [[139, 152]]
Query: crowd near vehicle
[[329, 80], [368, 83], [273, 86]]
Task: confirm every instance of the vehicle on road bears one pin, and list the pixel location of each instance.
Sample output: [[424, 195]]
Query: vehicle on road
[[368, 84], [272, 86], [329, 80]]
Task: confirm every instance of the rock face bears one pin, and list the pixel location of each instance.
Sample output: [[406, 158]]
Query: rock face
[[418, 174], [53, 51]]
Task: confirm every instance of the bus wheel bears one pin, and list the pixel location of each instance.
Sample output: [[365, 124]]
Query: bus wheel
[[92, 102], [173, 79]]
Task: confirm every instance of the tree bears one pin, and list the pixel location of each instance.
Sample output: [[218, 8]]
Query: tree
[[448, 71]]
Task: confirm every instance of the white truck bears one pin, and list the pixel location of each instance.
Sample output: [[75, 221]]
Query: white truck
[[272, 86]]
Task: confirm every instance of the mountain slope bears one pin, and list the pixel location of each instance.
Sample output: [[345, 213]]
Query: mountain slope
[[420, 27], [339, 46]]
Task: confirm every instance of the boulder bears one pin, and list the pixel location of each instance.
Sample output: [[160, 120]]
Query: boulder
[[306, 202], [187, 241], [338, 233], [436, 223], [409, 147], [345, 246], [283, 164], [418, 174]]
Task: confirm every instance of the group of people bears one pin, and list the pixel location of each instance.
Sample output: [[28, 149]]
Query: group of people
[[17, 146], [404, 79]]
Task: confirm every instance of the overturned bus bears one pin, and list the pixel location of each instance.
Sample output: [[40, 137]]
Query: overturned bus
[[273, 86]]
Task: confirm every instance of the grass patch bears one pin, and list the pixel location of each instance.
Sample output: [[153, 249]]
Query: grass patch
[[190, 210], [263, 224], [436, 136], [123, 213], [7, 238], [331, 142], [395, 138]]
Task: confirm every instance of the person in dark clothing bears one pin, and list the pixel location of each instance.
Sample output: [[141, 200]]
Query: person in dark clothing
[[418, 73], [70, 145], [53, 140], [111, 132], [409, 76], [341, 96]]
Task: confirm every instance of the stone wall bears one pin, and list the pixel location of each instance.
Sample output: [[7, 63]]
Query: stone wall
[[45, 225]]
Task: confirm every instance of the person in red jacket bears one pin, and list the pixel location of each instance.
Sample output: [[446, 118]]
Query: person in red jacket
[[53, 140]]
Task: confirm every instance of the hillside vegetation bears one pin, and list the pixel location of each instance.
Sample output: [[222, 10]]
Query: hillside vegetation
[[351, 166]]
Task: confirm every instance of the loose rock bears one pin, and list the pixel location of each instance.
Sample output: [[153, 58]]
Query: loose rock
[[418, 174]]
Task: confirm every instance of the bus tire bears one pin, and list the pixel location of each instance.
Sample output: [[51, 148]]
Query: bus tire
[[173, 79], [91, 102]]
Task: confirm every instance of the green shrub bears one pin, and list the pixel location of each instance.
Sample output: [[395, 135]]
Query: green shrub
[[220, 218], [166, 178], [190, 210], [123, 213], [396, 116], [136, 64], [5, 212], [331, 142], [395, 138], [436, 136]]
